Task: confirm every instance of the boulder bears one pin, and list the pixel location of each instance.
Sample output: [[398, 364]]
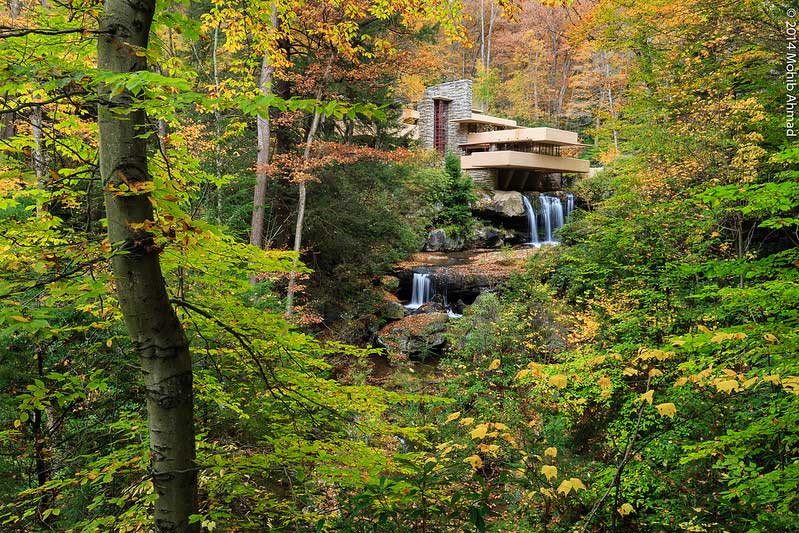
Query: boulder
[[485, 237], [438, 241], [390, 306], [503, 203], [390, 283], [417, 336]]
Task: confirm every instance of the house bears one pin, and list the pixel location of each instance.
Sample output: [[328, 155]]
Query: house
[[498, 153]]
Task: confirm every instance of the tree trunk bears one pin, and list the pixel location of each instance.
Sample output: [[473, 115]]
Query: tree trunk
[[301, 200], [264, 146], [482, 33], [40, 163], [491, 20], [153, 326], [300, 218], [217, 129]]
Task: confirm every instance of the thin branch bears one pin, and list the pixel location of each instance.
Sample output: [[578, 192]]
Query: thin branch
[[622, 463], [40, 103], [58, 277], [10, 31]]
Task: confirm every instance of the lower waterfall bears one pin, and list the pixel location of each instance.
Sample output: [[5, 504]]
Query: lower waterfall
[[421, 292], [531, 222], [551, 216]]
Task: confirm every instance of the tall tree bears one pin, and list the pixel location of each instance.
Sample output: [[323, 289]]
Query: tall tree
[[152, 324]]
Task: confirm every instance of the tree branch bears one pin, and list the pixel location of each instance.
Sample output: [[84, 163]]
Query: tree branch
[[622, 463], [10, 31]]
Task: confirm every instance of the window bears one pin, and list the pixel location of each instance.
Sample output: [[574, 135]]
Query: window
[[440, 121]]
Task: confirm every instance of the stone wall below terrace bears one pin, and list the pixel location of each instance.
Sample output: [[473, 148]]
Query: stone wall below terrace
[[483, 179]]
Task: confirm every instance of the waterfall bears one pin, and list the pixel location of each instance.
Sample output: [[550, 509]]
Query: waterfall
[[551, 215], [450, 312], [569, 204], [422, 290], [531, 221]]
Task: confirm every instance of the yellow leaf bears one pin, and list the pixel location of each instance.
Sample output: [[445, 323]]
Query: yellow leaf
[[577, 484], [20, 318], [727, 385], [647, 396], [474, 461], [604, 382], [558, 380], [791, 384], [703, 329], [547, 492], [565, 487], [551, 472], [720, 337], [771, 338], [494, 364], [677, 342], [453, 416], [626, 509], [680, 382], [629, 371], [466, 421], [661, 355], [749, 382], [772, 378], [655, 372], [500, 426], [551, 452], [479, 432], [522, 373], [109, 342], [491, 449], [666, 409]]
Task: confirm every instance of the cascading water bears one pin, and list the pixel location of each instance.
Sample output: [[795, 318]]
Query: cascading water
[[531, 221], [422, 290], [451, 312], [551, 216], [569, 204]]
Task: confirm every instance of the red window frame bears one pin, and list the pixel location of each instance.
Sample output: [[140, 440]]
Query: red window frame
[[440, 123]]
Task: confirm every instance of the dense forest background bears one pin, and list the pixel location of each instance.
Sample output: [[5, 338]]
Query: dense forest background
[[641, 376]]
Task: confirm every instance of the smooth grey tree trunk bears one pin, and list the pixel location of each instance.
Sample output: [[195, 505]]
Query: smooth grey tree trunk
[[292, 286], [152, 324], [264, 128]]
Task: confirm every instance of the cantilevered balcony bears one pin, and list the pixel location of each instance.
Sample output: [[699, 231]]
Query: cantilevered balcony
[[524, 135], [533, 149], [523, 160]]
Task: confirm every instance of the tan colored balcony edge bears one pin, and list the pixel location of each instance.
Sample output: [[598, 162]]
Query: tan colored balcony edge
[[540, 135], [524, 160], [477, 118]]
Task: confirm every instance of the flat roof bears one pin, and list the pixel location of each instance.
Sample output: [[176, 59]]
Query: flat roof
[[523, 160], [551, 136], [479, 118]]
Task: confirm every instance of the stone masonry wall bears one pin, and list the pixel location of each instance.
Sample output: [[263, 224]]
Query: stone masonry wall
[[483, 178], [459, 94]]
